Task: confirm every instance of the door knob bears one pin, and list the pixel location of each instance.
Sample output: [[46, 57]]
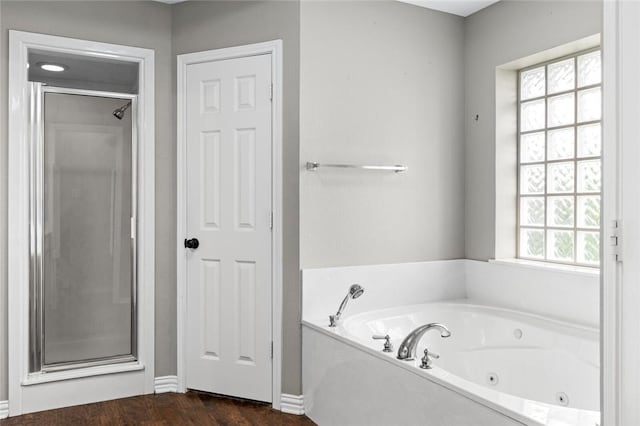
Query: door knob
[[193, 243]]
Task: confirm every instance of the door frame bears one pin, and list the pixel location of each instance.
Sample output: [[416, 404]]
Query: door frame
[[273, 48], [33, 392], [620, 294], [610, 276]]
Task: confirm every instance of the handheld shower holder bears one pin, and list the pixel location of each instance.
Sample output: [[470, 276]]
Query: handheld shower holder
[[332, 321]]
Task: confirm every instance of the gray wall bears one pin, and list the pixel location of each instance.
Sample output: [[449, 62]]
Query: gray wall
[[381, 83], [201, 26], [195, 26], [502, 33], [143, 24]]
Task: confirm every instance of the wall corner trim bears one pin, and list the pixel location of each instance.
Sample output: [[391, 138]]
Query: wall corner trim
[[165, 384], [292, 404], [4, 409]]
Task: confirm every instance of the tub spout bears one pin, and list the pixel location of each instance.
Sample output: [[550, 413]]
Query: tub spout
[[407, 349]]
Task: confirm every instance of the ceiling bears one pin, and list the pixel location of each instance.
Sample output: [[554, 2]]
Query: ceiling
[[84, 72], [456, 7]]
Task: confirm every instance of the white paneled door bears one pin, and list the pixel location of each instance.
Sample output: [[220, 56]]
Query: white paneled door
[[229, 221]]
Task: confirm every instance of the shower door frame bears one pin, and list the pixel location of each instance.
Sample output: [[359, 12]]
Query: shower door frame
[[29, 392], [36, 231]]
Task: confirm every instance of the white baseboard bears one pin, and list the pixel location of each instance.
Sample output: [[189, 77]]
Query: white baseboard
[[292, 404], [4, 409], [166, 384]]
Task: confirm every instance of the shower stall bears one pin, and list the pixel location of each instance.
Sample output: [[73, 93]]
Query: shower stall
[[82, 225], [81, 222]]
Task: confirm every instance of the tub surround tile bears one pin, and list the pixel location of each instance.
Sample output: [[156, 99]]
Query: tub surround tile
[[385, 286], [560, 294]]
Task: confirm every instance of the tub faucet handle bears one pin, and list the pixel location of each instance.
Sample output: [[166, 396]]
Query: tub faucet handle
[[388, 347], [427, 359]]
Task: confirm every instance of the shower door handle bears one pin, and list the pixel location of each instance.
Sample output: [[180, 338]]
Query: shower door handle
[[193, 243]]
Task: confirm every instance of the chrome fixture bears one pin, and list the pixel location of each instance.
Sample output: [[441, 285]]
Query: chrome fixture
[[312, 165], [355, 291], [50, 334], [388, 347], [119, 112], [426, 359], [407, 349]]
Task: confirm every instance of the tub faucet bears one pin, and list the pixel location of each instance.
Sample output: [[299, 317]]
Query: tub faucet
[[355, 291], [407, 349]]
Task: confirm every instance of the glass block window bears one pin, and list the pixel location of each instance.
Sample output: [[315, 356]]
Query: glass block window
[[559, 165]]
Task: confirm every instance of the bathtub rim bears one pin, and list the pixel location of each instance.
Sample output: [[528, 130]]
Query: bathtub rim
[[461, 386]]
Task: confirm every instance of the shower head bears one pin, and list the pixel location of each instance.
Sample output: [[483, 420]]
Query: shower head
[[355, 291], [119, 112]]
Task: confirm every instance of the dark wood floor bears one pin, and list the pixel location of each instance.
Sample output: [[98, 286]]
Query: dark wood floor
[[164, 409]]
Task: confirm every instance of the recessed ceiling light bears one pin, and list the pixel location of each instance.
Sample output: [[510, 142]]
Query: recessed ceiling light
[[52, 67]]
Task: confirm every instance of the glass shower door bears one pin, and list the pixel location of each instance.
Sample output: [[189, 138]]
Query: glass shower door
[[83, 282]]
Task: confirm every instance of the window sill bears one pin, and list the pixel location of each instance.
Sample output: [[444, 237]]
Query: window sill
[[547, 266]]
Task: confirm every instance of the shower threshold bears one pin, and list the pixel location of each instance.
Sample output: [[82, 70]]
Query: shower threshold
[[73, 365]]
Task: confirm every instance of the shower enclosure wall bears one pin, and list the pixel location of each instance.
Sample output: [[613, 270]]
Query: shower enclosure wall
[[82, 228], [81, 222]]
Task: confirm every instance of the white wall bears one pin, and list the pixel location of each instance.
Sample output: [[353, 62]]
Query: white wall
[[502, 33], [381, 83]]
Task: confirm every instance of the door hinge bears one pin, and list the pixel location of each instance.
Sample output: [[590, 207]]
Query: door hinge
[[271, 92], [271, 220], [615, 240], [271, 350]]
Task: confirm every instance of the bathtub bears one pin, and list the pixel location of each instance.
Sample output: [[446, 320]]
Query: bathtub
[[498, 367]]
